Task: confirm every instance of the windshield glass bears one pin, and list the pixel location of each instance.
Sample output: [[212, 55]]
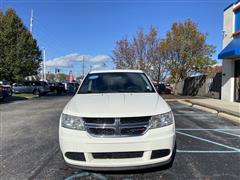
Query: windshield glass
[[116, 82]]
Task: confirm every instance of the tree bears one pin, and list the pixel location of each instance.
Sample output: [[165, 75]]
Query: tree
[[61, 77], [142, 53], [186, 51], [19, 53], [50, 77], [213, 69], [124, 55]]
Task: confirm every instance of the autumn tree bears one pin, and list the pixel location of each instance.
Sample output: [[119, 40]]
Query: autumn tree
[[213, 69], [50, 77], [186, 51], [19, 53], [61, 77], [141, 53]]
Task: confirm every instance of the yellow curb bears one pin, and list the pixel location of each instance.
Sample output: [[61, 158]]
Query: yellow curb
[[230, 117], [205, 109], [185, 103]]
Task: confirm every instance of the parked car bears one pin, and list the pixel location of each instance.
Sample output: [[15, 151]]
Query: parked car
[[71, 87], [5, 90], [57, 87], [117, 121], [1, 93], [161, 88], [35, 87], [168, 89]]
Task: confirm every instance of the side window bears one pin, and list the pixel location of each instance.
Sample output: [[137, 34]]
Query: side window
[[237, 20], [37, 84], [26, 84]]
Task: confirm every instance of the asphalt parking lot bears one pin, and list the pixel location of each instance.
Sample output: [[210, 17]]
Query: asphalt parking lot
[[208, 147]]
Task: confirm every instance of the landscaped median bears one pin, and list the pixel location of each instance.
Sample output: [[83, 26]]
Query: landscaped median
[[229, 110], [19, 97], [23, 95]]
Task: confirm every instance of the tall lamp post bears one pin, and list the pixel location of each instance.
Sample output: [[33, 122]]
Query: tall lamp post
[[44, 64]]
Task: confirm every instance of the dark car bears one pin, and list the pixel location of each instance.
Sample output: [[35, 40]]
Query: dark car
[[5, 90], [161, 88], [71, 87], [168, 89], [35, 87], [58, 87], [1, 93]]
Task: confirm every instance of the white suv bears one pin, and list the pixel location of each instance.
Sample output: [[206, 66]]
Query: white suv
[[117, 121]]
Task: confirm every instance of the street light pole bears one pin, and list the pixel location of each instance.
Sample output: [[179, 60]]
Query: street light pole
[[31, 21], [44, 64], [83, 66]]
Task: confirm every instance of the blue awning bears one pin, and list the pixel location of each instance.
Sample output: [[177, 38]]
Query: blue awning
[[232, 50]]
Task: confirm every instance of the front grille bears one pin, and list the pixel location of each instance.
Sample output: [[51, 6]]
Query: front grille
[[101, 131], [134, 120], [117, 127], [99, 120], [117, 155], [135, 131]]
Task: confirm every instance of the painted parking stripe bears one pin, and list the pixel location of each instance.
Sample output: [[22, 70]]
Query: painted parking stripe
[[202, 129], [196, 151], [86, 174], [194, 114], [227, 133], [209, 141]]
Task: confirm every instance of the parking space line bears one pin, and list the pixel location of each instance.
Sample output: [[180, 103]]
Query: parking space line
[[197, 151], [202, 129], [209, 141], [86, 174], [236, 135], [194, 114]]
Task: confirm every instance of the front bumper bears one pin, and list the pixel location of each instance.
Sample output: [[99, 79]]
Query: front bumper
[[81, 141]]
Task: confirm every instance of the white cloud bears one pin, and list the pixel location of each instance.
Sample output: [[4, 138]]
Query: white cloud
[[67, 60], [97, 66], [99, 58], [58, 63]]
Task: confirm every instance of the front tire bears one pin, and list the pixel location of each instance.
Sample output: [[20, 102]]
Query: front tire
[[36, 92]]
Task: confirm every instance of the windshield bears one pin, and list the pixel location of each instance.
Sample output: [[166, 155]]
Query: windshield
[[116, 82]]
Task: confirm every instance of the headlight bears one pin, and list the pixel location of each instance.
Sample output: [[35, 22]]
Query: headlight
[[72, 122], [161, 120]]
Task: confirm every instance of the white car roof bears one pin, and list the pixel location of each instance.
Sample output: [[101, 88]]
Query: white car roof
[[116, 70]]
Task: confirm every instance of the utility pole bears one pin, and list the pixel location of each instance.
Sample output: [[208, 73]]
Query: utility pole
[[44, 64], [83, 66], [31, 21]]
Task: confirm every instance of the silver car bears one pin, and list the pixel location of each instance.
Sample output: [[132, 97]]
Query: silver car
[[35, 87]]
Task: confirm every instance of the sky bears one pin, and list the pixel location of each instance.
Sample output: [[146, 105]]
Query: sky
[[70, 30]]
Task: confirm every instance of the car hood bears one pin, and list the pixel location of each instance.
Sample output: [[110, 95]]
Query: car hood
[[116, 105]]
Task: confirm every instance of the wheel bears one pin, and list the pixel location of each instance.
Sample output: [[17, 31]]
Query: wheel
[[36, 92]]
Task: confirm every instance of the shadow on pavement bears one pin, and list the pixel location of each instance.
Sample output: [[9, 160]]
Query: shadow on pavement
[[102, 175], [15, 98], [171, 96]]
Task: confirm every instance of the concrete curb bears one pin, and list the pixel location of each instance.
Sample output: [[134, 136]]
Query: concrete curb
[[228, 116], [214, 111], [205, 109], [185, 102]]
